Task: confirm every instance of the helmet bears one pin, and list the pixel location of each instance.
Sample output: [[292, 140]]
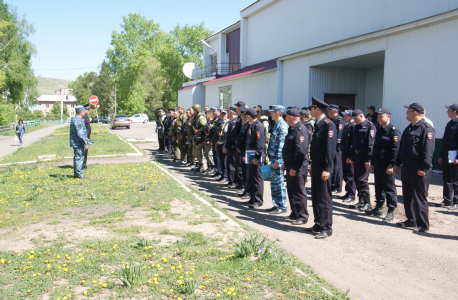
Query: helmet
[[196, 107]]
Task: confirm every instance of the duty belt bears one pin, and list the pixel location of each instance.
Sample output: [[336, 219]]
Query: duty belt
[[359, 151]]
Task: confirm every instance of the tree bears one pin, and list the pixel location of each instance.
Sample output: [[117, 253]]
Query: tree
[[153, 82], [17, 80], [56, 110], [127, 59], [83, 87]]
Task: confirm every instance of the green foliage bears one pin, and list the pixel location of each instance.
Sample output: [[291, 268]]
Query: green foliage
[[17, 78], [37, 114], [253, 245], [131, 275], [6, 114], [24, 113], [56, 110]]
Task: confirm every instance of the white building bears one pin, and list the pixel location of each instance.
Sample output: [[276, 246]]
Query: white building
[[386, 53]]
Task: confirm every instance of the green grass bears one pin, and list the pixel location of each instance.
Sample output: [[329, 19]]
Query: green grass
[[126, 265], [59, 143], [29, 130]]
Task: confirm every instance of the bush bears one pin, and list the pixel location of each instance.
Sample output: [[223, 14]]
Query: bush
[[6, 114]]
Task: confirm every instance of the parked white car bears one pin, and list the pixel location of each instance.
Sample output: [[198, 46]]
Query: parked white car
[[139, 118]]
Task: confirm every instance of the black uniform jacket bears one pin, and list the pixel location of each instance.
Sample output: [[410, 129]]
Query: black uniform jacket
[[324, 143], [347, 137], [417, 144], [386, 145], [241, 138], [295, 149], [229, 143], [363, 141], [258, 139], [236, 130], [450, 139]]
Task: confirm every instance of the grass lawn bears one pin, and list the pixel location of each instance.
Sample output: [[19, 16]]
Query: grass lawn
[[29, 129], [59, 143], [131, 232]]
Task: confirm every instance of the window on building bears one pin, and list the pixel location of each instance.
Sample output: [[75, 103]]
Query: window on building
[[213, 62], [225, 97], [73, 106], [47, 105], [72, 114]]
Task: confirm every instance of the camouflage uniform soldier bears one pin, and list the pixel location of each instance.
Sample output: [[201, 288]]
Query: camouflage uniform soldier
[[78, 141], [181, 121], [199, 123], [277, 178], [174, 133], [190, 130], [208, 150]]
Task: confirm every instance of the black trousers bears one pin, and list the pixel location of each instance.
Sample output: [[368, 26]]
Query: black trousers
[[222, 161], [348, 175], [361, 174], [216, 157], [168, 145], [239, 173], [230, 166], [297, 195], [321, 198], [450, 178], [256, 184], [336, 178], [246, 177], [85, 157], [414, 192], [189, 153], [384, 185], [161, 141]]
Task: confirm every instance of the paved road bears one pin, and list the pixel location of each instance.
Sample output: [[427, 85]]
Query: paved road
[[371, 259], [8, 146]]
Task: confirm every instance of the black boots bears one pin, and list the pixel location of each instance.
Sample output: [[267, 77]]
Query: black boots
[[389, 216], [367, 204], [377, 211]]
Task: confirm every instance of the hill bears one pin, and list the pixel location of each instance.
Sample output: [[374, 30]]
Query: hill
[[48, 86]]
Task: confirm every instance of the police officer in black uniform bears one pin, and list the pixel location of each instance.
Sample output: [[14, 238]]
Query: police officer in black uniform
[[372, 116], [336, 179], [160, 128], [238, 175], [243, 141], [294, 153], [322, 152], [87, 123], [258, 144], [450, 166], [362, 146], [386, 146], [229, 147], [415, 155], [345, 146]]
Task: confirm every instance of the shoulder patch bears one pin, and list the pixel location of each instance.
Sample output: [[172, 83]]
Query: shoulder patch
[[330, 133], [393, 128], [258, 134], [372, 133], [340, 126], [327, 121], [395, 138], [429, 135], [301, 139]]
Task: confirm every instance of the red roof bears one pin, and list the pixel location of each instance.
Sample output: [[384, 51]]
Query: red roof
[[264, 66], [187, 87]]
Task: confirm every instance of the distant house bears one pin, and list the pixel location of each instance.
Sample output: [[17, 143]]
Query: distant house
[[47, 101]]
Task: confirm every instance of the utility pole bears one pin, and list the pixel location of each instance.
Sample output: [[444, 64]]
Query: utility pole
[[115, 100]]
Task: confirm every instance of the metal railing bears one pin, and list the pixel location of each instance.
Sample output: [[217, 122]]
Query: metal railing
[[217, 70], [29, 123]]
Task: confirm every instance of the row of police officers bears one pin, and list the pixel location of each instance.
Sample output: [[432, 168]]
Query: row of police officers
[[328, 143]]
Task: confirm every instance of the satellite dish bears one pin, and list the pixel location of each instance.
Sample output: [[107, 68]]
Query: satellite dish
[[192, 71]]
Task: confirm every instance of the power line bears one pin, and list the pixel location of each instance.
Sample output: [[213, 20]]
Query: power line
[[69, 69]]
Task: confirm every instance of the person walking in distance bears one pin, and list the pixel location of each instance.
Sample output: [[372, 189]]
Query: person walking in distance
[[277, 179], [361, 155], [78, 141], [386, 146], [322, 152], [345, 147], [295, 164], [20, 131], [415, 155], [448, 162]]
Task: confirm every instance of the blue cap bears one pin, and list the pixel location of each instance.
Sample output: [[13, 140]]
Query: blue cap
[[277, 108], [371, 107], [293, 111], [416, 107], [452, 107], [215, 108], [319, 103], [240, 104], [243, 109], [347, 112], [79, 108], [251, 112], [334, 107], [224, 111], [357, 112]]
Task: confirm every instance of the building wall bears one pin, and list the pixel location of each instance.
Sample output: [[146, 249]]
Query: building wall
[[422, 66], [374, 87], [336, 81], [253, 90], [290, 26], [185, 97], [46, 110]]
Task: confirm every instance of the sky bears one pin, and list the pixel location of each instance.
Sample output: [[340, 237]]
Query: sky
[[72, 36]]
